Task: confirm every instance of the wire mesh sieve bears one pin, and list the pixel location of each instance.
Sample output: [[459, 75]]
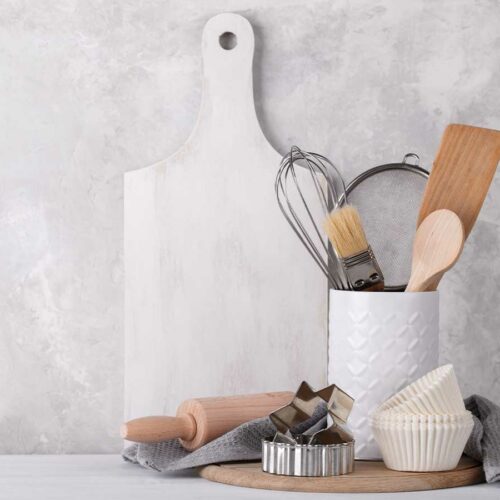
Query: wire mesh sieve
[[388, 198]]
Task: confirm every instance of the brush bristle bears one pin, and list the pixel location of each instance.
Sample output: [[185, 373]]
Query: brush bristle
[[345, 231]]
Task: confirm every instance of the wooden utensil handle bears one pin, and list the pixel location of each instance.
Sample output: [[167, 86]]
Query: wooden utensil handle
[[415, 285], [159, 428]]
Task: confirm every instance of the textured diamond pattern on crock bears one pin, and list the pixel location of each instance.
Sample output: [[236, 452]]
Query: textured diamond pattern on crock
[[381, 354]]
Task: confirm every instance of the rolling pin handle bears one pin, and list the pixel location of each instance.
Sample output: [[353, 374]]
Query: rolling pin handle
[[159, 428]]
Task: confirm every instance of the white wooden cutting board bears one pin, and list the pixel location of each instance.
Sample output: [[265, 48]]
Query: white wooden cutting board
[[220, 296]]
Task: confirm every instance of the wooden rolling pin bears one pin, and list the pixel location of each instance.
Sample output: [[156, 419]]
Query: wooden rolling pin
[[201, 420]]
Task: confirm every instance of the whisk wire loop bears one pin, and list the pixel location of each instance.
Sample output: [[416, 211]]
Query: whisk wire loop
[[325, 187]]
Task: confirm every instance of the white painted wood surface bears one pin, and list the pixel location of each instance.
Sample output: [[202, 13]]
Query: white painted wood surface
[[105, 477], [220, 296]]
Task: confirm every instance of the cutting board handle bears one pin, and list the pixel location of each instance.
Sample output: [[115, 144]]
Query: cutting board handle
[[227, 108], [227, 47]]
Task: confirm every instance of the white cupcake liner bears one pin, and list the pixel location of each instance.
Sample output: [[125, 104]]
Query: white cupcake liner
[[435, 393], [421, 442], [391, 416]]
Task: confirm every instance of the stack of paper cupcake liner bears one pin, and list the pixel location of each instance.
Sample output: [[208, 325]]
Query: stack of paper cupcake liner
[[425, 426]]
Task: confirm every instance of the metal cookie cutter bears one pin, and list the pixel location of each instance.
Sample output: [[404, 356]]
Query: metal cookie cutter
[[301, 445]]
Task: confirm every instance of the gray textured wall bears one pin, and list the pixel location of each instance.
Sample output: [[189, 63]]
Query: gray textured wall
[[91, 89]]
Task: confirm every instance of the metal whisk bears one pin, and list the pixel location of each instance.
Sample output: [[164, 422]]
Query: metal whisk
[[308, 187]]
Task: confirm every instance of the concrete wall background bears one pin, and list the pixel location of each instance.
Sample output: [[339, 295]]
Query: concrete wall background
[[92, 89]]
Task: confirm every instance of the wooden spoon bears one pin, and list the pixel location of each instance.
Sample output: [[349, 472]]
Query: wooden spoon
[[437, 246]]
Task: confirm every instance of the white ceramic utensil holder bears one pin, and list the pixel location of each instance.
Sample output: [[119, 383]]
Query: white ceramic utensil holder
[[379, 342]]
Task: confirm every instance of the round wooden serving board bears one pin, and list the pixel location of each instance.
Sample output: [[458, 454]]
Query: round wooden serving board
[[368, 477]]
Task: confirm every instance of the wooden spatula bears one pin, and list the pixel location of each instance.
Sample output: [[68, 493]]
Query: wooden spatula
[[437, 246], [461, 175]]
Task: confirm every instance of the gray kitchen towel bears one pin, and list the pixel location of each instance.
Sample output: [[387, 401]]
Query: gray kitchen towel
[[484, 442], [242, 443]]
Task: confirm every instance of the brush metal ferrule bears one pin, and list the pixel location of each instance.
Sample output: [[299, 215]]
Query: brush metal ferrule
[[363, 272]]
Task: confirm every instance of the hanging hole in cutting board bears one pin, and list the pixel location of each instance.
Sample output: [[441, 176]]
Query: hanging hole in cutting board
[[228, 40]]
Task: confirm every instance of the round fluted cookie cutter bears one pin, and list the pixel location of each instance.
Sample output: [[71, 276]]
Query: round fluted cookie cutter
[[311, 460], [298, 448]]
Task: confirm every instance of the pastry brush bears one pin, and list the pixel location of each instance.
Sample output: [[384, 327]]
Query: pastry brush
[[345, 231]]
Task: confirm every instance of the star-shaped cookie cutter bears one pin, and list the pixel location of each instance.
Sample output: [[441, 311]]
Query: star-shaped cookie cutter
[[298, 422]]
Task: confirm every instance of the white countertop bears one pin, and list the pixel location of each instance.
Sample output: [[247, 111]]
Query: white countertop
[[96, 477]]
